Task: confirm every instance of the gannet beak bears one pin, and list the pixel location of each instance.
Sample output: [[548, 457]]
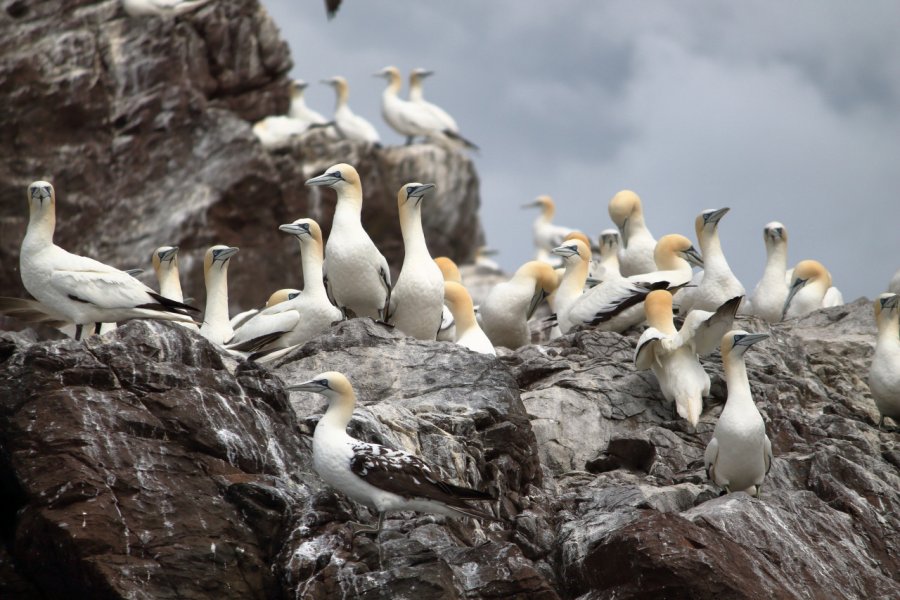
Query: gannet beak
[[795, 287], [424, 73], [890, 301], [777, 233], [489, 252], [535, 301], [592, 282], [418, 192], [715, 216], [224, 254], [693, 257], [749, 339], [327, 179], [40, 193], [295, 229], [534, 204], [167, 255], [565, 250], [327, 81], [317, 386]]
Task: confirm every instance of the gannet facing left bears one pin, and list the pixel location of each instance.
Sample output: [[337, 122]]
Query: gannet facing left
[[161, 8], [547, 236], [638, 244], [468, 333], [216, 324], [739, 454], [508, 306], [718, 284], [767, 301], [810, 290], [81, 289], [417, 299], [374, 475], [884, 374], [357, 273], [349, 124]]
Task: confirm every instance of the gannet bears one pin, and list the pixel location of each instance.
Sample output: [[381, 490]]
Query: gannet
[[672, 359], [450, 272], [165, 265], [615, 305], [810, 290], [606, 262], [81, 289], [161, 8], [739, 454], [768, 297], [358, 275], [468, 333], [418, 296], [508, 306], [216, 325], [348, 124], [276, 131], [884, 374], [300, 316], [417, 96], [547, 236], [298, 110], [482, 261], [276, 297], [894, 285], [374, 475], [638, 244], [576, 256], [718, 283]]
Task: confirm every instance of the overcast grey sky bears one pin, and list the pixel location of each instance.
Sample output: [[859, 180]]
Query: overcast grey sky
[[785, 111]]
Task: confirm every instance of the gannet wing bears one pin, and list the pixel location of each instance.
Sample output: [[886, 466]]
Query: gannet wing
[[709, 459], [263, 328], [768, 456], [645, 353], [241, 318], [703, 330], [833, 297], [446, 319], [610, 299]]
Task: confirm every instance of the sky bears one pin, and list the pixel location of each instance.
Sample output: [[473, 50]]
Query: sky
[[782, 111]]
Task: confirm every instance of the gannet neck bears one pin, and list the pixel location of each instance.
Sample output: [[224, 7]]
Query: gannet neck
[[460, 304], [216, 279], [412, 232], [394, 83], [340, 410], [169, 282], [776, 257], [548, 210], [41, 214], [574, 279], [736, 379], [711, 247], [312, 258], [448, 269], [342, 93], [416, 94], [888, 328], [658, 307]]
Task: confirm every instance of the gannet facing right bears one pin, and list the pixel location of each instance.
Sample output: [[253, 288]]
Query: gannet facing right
[[810, 290], [718, 284], [417, 96], [638, 244], [739, 454], [358, 275], [884, 374], [349, 124], [767, 301], [216, 324], [417, 299], [374, 475], [468, 333], [161, 8], [508, 306], [298, 110], [81, 289], [450, 272], [547, 236]]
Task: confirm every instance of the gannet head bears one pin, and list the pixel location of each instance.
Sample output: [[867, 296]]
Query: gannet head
[[886, 304], [658, 307], [338, 177], [573, 251], [297, 87], [41, 196], [737, 341], [544, 278], [484, 251], [282, 295], [448, 269], [458, 300], [577, 235], [709, 219], [334, 386], [337, 82], [672, 246], [304, 230], [774, 233], [622, 206], [165, 255], [218, 256], [807, 272], [545, 203], [609, 242], [410, 195], [419, 74], [391, 73]]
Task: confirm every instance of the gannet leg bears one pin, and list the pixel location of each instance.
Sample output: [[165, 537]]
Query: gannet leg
[[758, 490], [97, 327], [79, 328]]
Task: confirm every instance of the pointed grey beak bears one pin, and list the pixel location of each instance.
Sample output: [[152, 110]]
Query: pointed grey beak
[[715, 216], [565, 250], [776, 233], [890, 301], [327, 81], [795, 287], [489, 252], [534, 204], [134, 272], [167, 255], [749, 339], [301, 85], [418, 192], [40, 194], [535, 301], [693, 257], [224, 254], [295, 229], [317, 386], [325, 179]]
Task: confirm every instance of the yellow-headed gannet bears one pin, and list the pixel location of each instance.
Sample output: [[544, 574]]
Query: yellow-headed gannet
[[301, 316], [357, 274], [672, 359], [718, 284], [615, 305], [576, 256], [884, 374], [216, 325], [739, 454], [374, 475], [348, 124], [161, 8], [165, 265], [298, 110], [894, 285], [638, 244], [547, 236], [468, 333], [450, 272], [606, 262], [417, 96], [81, 289], [767, 300], [810, 290], [417, 299], [508, 306]]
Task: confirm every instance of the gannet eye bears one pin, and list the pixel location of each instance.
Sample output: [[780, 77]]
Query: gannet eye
[[336, 175], [322, 382], [293, 295]]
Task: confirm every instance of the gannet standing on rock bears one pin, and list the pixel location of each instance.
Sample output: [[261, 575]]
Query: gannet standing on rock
[[718, 284], [450, 272], [638, 244], [417, 299], [350, 125], [298, 110], [547, 236], [358, 275], [165, 265], [81, 289], [739, 454], [767, 301], [507, 308], [810, 290], [161, 8], [216, 325], [374, 475], [417, 96], [468, 333], [884, 374]]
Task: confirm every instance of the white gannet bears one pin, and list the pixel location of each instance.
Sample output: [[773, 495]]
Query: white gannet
[[606, 262], [298, 110], [374, 475], [739, 454], [81, 289], [547, 236], [357, 274], [718, 284], [278, 296], [468, 333], [216, 326], [165, 265], [417, 96], [810, 290], [300, 316], [161, 8], [576, 256], [884, 374], [767, 300], [894, 285], [638, 244], [672, 359], [508, 306], [417, 299], [405, 117], [450, 272], [615, 305], [276, 131], [348, 124]]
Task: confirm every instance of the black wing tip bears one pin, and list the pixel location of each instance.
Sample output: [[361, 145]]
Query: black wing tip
[[170, 305]]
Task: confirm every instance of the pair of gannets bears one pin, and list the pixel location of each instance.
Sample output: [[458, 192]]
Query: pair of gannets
[[547, 236], [508, 306], [672, 354], [884, 374], [371, 474], [78, 289], [276, 132], [717, 283], [638, 244], [350, 125], [161, 8]]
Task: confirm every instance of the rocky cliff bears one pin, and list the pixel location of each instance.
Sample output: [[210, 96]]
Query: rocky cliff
[[145, 464]]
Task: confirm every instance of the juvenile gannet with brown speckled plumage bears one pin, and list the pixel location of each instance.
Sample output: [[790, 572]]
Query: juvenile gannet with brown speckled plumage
[[350, 125], [374, 475], [638, 244], [417, 299], [767, 301], [884, 373], [450, 272], [739, 455], [216, 325], [81, 289], [810, 290], [508, 306], [357, 273], [547, 236], [467, 331], [718, 283]]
